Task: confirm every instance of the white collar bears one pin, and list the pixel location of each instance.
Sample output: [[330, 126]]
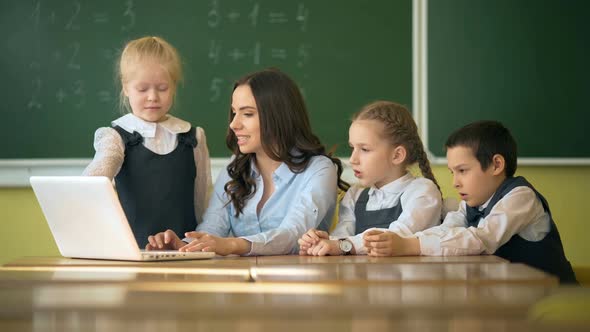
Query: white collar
[[132, 123], [396, 186], [485, 205]]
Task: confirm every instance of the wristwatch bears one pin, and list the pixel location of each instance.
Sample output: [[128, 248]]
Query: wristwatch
[[345, 246]]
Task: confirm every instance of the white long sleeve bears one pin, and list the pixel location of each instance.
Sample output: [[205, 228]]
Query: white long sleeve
[[109, 156], [518, 212], [203, 178], [421, 208]]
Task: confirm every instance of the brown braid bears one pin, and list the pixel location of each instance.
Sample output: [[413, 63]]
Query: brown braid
[[400, 129], [424, 165]]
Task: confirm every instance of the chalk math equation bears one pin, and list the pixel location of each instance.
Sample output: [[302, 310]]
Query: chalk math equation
[[75, 44]]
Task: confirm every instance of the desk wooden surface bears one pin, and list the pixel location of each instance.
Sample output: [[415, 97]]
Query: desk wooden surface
[[437, 274], [295, 260], [302, 269], [59, 269], [254, 294], [169, 306], [217, 261], [12, 275]]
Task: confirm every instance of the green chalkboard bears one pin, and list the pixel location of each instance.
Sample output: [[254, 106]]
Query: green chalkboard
[[57, 62], [525, 63]]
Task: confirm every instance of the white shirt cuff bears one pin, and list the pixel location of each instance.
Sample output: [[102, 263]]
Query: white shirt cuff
[[358, 243], [430, 245]]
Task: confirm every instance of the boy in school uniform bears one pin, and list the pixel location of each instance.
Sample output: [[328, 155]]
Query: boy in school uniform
[[499, 213]]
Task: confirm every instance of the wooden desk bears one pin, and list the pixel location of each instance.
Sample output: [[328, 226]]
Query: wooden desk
[[217, 261], [59, 269], [437, 274], [337, 269], [296, 260], [103, 275], [267, 306], [254, 294]]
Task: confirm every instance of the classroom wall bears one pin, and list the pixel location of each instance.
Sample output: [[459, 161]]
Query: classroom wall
[[24, 232]]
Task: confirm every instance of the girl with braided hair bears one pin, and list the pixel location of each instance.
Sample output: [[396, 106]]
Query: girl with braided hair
[[384, 141]]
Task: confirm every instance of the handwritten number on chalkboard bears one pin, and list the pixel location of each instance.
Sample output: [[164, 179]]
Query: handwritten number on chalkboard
[[303, 55], [80, 92], [214, 51], [72, 25], [131, 14], [60, 95], [36, 15], [256, 53], [215, 89], [254, 14], [34, 102], [73, 64], [302, 14], [213, 16]]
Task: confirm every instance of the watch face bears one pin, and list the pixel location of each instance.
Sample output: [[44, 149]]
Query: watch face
[[345, 245]]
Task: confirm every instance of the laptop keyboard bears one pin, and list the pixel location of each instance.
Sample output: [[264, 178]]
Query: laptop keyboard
[[161, 254]]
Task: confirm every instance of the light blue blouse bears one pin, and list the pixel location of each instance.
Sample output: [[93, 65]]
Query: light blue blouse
[[300, 201]]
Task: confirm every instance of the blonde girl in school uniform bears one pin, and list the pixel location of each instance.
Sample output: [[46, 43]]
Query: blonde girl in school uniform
[[384, 141], [160, 163]]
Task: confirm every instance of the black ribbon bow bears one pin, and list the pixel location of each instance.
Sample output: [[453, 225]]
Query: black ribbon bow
[[473, 215]]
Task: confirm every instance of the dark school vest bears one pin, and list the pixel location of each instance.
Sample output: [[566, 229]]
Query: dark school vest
[[546, 255], [378, 218], [157, 191]]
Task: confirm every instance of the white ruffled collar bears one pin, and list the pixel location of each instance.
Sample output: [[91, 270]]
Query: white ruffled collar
[[132, 123]]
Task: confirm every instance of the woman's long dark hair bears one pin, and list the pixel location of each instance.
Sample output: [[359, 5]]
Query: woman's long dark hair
[[285, 132]]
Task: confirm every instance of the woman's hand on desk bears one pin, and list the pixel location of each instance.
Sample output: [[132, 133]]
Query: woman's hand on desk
[[220, 245], [167, 240]]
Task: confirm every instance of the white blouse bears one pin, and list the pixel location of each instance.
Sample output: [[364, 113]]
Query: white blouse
[[158, 137], [420, 199]]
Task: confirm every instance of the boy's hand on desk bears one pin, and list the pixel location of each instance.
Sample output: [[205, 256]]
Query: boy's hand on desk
[[310, 239], [380, 243], [167, 240]]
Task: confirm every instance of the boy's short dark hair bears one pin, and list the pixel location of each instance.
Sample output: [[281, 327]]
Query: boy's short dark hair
[[485, 139]]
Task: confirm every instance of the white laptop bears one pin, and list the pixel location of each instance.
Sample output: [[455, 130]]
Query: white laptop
[[87, 220]]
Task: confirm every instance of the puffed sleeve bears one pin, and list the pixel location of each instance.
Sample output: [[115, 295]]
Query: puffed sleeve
[[109, 156], [203, 178]]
